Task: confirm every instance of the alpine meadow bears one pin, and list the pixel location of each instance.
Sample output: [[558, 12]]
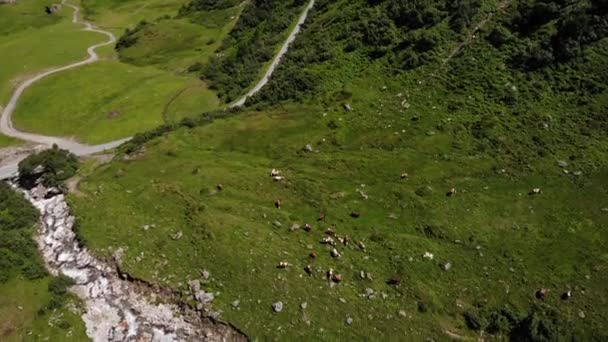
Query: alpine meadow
[[304, 170]]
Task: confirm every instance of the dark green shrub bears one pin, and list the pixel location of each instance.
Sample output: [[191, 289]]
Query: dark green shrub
[[52, 167]]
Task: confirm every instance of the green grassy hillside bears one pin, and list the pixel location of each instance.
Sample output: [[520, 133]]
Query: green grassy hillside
[[405, 128]]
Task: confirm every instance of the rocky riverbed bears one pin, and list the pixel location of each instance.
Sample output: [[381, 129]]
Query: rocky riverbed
[[117, 308]]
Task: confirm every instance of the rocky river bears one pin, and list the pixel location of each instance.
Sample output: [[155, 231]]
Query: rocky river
[[117, 307]]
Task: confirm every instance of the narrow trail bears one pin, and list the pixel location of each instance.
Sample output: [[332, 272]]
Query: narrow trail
[[277, 59], [473, 33], [6, 124]]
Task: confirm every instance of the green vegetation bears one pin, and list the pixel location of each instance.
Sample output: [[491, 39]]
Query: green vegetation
[[52, 167], [253, 42], [148, 87], [180, 44], [118, 15], [6, 141], [115, 100], [398, 104], [31, 41], [33, 305]]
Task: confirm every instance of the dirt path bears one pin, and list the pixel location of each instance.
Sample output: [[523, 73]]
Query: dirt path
[[277, 59], [6, 124], [473, 33]]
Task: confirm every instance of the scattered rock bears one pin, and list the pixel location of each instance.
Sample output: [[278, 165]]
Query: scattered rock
[[294, 227], [404, 175], [204, 297], [220, 187], [313, 255], [205, 274], [581, 314], [447, 266], [277, 223], [277, 307], [349, 320], [274, 172], [342, 300], [567, 295], [451, 192], [308, 148], [402, 313], [336, 278], [562, 163], [304, 305], [535, 191], [178, 235], [355, 214], [348, 107], [362, 274], [235, 304], [428, 255], [363, 194]]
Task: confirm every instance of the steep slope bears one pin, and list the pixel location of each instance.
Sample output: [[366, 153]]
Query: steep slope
[[470, 166]]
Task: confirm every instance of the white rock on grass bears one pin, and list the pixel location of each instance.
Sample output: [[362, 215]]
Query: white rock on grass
[[277, 307]]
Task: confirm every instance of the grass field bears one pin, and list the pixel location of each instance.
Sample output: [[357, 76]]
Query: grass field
[[177, 44], [467, 260], [108, 100], [501, 243], [31, 40], [117, 15], [20, 302], [6, 141]]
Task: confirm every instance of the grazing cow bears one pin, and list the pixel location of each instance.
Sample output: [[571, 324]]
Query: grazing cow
[[361, 245], [334, 253], [277, 204], [283, 264], [541, 293], [394, 280], [308, 270], [336, 278]]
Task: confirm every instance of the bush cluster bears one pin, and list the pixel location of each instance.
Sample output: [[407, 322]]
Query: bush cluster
[[52, 167]]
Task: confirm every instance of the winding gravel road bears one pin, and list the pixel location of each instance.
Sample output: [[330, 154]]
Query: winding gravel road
[[277, 59], [6, 124]]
